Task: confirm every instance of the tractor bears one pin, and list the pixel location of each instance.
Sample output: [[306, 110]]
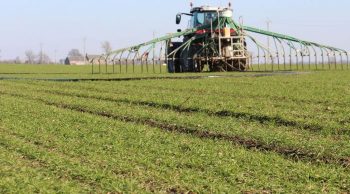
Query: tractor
[[214, 45], [215, 42]]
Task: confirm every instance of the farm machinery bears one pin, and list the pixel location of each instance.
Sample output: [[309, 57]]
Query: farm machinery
[[215, 42]]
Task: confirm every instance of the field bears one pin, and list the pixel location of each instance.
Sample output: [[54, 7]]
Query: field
[[226, 133]]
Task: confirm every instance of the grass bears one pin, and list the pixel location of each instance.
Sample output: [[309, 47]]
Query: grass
[[243, 134]]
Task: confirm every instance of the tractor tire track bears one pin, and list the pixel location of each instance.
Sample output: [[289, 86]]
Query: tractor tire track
[[294, 154]]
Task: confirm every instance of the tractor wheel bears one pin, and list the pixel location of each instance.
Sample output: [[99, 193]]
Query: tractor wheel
[[174, 65], [187, 61]]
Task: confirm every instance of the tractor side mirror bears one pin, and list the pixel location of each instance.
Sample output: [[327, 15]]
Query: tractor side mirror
[[178, 18]]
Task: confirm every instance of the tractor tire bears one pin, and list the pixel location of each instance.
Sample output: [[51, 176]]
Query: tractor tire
[[174, 66], [187, 62]]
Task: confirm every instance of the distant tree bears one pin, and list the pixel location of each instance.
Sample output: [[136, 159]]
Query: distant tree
[[106, 47], [43, 58], [74, 53], [62, 61], [18, 60], [30, 57]]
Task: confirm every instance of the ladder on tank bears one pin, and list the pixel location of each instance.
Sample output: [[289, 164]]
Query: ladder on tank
[[239, 50]]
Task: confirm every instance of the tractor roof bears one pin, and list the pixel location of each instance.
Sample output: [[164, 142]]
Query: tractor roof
[[208, 9]]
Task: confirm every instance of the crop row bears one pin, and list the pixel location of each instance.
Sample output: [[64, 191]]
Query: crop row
[[329, 115], [101, 154], [93, 150], [287, 141], [283, 100]]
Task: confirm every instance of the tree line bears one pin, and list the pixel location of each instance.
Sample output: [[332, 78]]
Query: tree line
[[41, 57]]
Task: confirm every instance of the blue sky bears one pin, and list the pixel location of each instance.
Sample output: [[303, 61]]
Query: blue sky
[[62, 24]]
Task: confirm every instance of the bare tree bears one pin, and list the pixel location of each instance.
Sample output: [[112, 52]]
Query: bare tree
[[30, 57], [17, 60], [106, 47], [44, 58], [74, 53]]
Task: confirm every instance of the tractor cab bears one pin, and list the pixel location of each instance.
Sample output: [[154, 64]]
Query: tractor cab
[[205, 15]]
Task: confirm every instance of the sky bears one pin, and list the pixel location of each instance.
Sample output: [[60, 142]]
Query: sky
[[62, 25]]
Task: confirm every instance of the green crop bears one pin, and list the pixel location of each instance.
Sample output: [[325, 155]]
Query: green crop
[[288, 133]]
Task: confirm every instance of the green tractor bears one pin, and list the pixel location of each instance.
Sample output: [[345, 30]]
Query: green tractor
[[216, 44]]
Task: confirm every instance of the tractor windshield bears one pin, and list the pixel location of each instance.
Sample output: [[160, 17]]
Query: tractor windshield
[[203, 18]]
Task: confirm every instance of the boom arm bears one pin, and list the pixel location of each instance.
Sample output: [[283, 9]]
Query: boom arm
[[289, 38]]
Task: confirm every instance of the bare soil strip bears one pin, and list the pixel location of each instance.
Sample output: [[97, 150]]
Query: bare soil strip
[[266, 74]]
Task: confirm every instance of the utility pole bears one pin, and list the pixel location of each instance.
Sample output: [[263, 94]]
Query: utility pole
[[84, 50], [41, 53], [55, 56], [268, 22]]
